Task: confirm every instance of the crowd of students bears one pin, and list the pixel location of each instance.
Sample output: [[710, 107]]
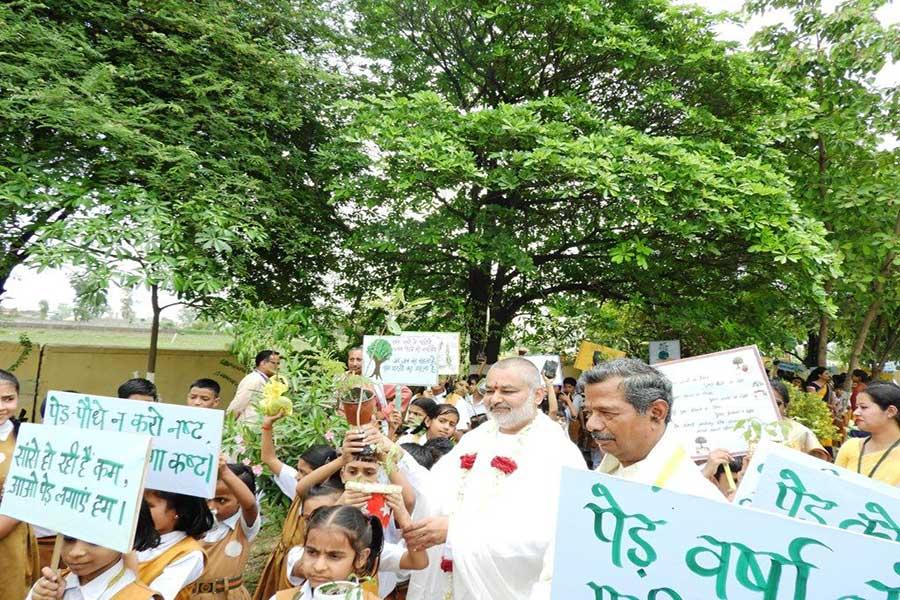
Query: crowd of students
[[189, 547]]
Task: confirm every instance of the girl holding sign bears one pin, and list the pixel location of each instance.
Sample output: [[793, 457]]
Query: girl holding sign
[[19, 562], [178, 561], [227, 544], [96, 572]]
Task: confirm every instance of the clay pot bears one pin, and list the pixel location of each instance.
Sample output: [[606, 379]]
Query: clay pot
[[351, 407]]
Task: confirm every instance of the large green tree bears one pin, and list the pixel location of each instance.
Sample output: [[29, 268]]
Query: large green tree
[[834, 139], [175, 137], [610, 150]]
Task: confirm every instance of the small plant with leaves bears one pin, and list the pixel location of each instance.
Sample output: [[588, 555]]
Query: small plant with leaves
[[809, 409], [753, 430], [396, 308]]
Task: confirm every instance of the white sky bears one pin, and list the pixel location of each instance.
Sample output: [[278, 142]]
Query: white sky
[[27, 287]]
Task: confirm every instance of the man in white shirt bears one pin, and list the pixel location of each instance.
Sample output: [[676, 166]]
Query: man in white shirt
[[488, 500], [628, 406], [627, 409], [251, 386]]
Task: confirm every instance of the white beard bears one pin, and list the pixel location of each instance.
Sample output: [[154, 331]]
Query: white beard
[[516, 416]]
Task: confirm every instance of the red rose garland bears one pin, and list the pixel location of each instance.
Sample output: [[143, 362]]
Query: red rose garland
[[504, 464]]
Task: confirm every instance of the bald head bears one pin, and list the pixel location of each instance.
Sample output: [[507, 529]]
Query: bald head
[[524, 368]]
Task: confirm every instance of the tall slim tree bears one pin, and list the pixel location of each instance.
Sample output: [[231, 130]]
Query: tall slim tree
[[834, 139], [205, 116]]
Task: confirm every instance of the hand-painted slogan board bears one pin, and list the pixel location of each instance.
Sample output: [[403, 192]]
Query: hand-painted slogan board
[[799, 486], [186, 440], [402, 359], [80, 484], [621, 540], [447, 349], [711, 393]]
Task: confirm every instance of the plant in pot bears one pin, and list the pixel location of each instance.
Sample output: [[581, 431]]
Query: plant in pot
[[339, 590]]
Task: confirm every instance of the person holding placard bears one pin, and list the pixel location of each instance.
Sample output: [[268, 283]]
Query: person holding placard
[[877, 456], [227, 544], [98, 573], [138, 389], [19, 562], [204, 393], [178, 561]]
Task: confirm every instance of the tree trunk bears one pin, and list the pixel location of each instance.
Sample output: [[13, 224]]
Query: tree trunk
[[875, 306], [822, 351], [812, 349], [154, 332], [478, 312]]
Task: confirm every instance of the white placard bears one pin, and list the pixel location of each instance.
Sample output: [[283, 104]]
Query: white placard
[[186, 440], [447, 352], [539, 360], [407, 360], [793, 487], [711, 393], [620, 540], [82, 485], [788, 482], [663, 351]]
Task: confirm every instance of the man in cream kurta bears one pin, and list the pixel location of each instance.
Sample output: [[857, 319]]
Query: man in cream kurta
[[495, 526], [627, 409], [251, 386]]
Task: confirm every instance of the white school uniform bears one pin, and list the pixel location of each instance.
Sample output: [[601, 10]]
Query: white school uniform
[[286, 480], [388, 569], [180, 573], [103, 587], [223, 528], [305, 593]]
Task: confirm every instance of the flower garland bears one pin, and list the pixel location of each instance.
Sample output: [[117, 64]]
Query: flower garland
[[504, 465]]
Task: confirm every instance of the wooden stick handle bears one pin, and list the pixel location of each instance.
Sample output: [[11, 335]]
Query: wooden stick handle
[[57, 552], [729, 478]]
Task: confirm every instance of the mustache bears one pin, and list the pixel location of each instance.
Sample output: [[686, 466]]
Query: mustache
[[598, 436]]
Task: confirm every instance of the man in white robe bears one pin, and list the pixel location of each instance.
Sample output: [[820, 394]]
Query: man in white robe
[[627, 409], [492, 501]]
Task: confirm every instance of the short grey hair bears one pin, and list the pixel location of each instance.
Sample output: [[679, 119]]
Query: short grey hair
[[530, 373], [642, 384]]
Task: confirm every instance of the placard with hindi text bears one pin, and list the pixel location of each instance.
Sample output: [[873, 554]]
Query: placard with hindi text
[[80, 484], [186, 440]]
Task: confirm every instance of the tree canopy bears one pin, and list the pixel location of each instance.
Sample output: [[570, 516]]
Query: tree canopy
[[615, 151]]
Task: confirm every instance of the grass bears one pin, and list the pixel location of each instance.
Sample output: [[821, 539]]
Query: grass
[[125, 339]]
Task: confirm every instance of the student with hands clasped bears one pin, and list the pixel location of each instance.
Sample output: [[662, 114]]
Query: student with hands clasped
[[227, 544], [98, 573]]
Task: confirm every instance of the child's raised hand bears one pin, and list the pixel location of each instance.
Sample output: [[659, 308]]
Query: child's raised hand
[[49, 587], [270, 420], [354, 498], [401, 515], [223, 463]]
